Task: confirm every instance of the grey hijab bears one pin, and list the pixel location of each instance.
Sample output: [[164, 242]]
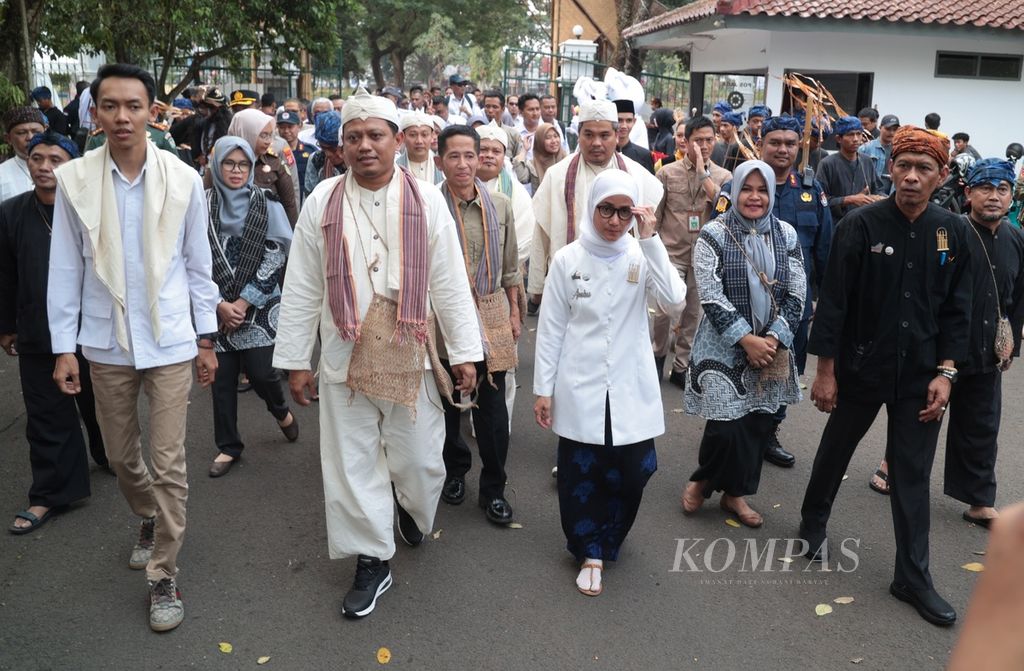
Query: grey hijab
[[755, 236], [234, 203]]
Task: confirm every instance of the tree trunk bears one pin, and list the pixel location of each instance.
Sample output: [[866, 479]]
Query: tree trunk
[[398, 58], [627, 13], [375, 66]]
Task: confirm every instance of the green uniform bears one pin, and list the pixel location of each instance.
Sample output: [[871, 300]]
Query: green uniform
[[158, 135]]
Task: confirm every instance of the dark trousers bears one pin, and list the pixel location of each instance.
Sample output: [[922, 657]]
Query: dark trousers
[[599, 492], [909, 450], [86, 402], [490, 421], [60, 467], [974, 412], [731, 454], [258, 366]]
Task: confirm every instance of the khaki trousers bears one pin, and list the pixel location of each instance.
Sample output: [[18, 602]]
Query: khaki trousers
[[162, 492], [665, 337]]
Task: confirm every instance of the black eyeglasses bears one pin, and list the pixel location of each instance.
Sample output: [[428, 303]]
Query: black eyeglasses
[[606, 211], [236, 166]]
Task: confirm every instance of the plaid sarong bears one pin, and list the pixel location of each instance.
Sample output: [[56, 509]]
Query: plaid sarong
[[412, 292], [570, 194], [251, 249]]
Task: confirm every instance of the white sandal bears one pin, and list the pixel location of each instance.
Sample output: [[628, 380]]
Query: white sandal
[[593, 566]]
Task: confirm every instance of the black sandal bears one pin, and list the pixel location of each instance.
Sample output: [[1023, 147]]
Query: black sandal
[[884, 477]]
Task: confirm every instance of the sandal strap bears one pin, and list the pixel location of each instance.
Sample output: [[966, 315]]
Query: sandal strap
[[26, 515], [592, 565]]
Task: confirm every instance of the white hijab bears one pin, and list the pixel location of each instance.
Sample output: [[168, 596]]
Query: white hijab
[[608, 183]]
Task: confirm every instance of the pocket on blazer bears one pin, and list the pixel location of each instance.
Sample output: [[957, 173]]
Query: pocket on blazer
[[97, 323], [176, 326]]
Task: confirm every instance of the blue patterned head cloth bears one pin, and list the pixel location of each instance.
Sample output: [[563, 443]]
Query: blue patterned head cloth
[[183, 104], [328, 128], [784, 122], [734, 118], [762, 111], [54, 140], [848, 124], [722, 107], [990, 171]]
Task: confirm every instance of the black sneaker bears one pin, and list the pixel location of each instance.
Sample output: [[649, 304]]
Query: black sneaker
[[373, 578], [407, 528], [678, 378], [532, 308]]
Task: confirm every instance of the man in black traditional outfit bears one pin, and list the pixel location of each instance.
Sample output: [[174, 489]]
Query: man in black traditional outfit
[[976, 403], [627, 119], [60, 470], [892, 320]]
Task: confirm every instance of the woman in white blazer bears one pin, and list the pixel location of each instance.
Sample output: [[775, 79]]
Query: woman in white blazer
[[594, 373]]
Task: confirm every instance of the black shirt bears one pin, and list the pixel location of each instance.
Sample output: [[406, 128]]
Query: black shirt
[[57, 121], [895, 301], [640, 155], [1005, 248], [24, 270]]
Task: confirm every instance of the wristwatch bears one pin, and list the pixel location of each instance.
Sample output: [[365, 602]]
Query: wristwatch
[[206, 336]]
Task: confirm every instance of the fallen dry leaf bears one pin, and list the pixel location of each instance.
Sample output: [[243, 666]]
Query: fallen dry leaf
[[677, 410], [515, 525], [383, 656], [857, 660], [974, 567], [733, 523], [263, 660], [776, 506], [822, 609], [980, 553], [226, 648], [786, 560], [843, 600], [436, 534], [846, 477]]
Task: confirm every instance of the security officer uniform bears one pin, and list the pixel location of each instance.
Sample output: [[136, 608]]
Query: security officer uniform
[[158, 135]]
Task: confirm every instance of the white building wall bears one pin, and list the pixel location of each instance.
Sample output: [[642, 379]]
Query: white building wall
[[903, 67]]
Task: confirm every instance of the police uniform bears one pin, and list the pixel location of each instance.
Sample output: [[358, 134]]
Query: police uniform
[[158, 135]]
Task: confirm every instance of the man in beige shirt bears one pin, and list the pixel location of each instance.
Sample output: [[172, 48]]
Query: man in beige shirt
[[691, 186], [485, 223]]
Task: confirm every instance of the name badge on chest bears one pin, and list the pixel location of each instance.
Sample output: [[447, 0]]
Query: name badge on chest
[[694, 223], [633, 274]]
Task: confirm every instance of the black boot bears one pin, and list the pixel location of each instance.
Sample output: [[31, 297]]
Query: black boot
[[774, 454]]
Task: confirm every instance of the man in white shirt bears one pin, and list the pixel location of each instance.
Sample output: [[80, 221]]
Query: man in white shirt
[[130, 268], [529, 104], [459, 102], [418, 129], [375, 250], [20, 124], [561, 197]]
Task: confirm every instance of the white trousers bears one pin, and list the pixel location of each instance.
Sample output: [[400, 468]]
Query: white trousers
[[358, 470]]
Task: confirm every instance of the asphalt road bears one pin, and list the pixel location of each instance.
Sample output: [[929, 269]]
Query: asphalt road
[[255, 573]]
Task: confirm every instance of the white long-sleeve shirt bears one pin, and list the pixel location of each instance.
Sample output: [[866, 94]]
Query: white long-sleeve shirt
[[14, 178], [75, 291], [593, 341], [522, 207], [304, 302]]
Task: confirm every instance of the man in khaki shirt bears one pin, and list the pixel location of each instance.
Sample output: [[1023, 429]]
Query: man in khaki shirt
[[690, 189], [491, 256]]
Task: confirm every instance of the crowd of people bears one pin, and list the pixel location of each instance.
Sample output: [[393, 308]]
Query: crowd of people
[[243, 237]]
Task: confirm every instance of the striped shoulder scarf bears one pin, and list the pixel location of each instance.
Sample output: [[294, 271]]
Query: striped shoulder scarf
[[489, 266]]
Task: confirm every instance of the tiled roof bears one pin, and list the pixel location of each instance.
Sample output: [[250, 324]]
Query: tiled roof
[[1004, 14]]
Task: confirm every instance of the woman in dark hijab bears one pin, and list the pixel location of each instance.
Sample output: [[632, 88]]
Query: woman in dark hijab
[[664, 121]]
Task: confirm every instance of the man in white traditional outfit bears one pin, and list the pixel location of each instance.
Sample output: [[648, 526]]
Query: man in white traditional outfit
[[375, 252], [130, 269], [418, 130], [562, 195]]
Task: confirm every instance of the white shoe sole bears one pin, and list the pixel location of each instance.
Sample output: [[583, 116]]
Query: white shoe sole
[[383, 587]]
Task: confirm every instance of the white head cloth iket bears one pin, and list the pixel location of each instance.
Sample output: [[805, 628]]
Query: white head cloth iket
[[599, 110], [363, 106], [416, 118], [493, 131]]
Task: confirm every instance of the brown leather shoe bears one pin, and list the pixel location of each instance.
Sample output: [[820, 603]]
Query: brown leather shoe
[[219, 468], [751, 519]]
